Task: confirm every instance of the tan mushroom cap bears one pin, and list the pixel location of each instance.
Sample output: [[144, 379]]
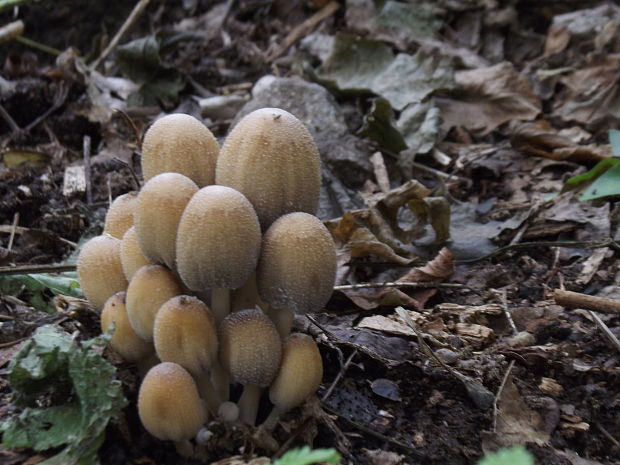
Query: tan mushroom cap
[[160, 204], [297, 267], [150, 287], [99, 269], [250, 347], [119, 217], [300, 373], [132, 257], [271, 158], [185, 333], [218, 240], [125, 341], [168, 403], [179, 143]]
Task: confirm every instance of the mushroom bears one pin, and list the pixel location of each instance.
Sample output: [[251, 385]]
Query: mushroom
[[185, 333], [250, 349], [297, 268], [124, 340], [99, 269], [299, 377], [132, 257], [150, 287], [160, 203], [271, 158], [169, 405], [180, 143], [218, 243], [119, 217]]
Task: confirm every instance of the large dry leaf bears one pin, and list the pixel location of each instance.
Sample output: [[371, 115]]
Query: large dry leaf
[[488, 98]]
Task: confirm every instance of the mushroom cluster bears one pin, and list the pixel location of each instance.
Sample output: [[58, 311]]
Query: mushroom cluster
[[203, 270]]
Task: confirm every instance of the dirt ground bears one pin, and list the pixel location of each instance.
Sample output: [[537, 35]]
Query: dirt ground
[[490, 359]]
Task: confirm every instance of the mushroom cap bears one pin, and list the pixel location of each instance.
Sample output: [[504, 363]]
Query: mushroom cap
[[150, 287], [297, 267], [125, 341], [218, 240], [119, 217], [132, 257], [300, 373], [185, 333], [271, 158], [250, 347], [160, 204], [168, 403], [180, 143], [99, 269]]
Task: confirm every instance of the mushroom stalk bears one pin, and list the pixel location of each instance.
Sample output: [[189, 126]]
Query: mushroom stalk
[[220, 303], [208, 392], [184, 448], [221, 381], [272, 420], [282, 319], [248, 403]]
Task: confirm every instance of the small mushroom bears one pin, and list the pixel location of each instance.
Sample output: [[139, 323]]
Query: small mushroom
[[169, 405], [99, 269], [160, 204], [250, 349], [119, 217], [132, 257], [150, 287], [297, 268], [179, 143], [185, 333], [299, 377], [271, 158]]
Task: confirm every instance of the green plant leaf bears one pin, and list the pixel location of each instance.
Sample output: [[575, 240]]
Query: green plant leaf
[[514, 456], [595, 172], [379, 126], [79, 386], [38, 289], [307, 456], [606, 185], [614, 140]]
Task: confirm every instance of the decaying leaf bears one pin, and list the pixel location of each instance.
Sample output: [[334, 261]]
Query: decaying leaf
[[488, 98]]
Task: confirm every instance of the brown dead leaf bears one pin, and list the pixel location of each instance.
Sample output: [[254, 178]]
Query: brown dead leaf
[[383, 457], [440, 267], [477, 335], [558, 38], [488, 98]]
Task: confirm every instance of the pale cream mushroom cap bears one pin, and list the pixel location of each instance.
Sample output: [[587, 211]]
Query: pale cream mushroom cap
[[132, 257], [179, 143], [119, 217]]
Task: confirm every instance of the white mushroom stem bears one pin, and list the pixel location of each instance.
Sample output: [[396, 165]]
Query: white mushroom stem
[[208, 392], [184, 448], [272, 420], [282, 318], [220, 303], [248, 403], [220, 380]]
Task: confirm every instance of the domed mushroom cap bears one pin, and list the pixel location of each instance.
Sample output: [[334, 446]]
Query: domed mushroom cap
[[297, 267], [168, 403], [125, 341], [271, 158], [119, 217], [179, 143], [99, 269], [132, 257], [160, 204], [150, 287], [218, 240], [250, 347], [185, 333], [300, 373]]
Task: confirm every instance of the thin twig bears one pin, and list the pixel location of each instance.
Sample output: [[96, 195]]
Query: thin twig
[[416, 285], [499, 393], [13, 230], [22, 230], [87, 174], [569, 299], [504, 304], [607, 434], [12, 343], [606, 331], [39, 46], [339, 376], [131, 19], [28, 269], [9, 120]]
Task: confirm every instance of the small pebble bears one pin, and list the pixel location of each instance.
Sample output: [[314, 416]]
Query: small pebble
[[522, 339]]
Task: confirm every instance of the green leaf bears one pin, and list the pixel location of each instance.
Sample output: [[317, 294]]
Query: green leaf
[[379, 126], [358, 65], [79, 386], [598, 169], [607, 185], [514, 456], [307, 456], [614, 140], [36, 289]]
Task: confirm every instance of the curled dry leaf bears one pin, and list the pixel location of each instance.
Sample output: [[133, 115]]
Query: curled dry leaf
[[489, 97]]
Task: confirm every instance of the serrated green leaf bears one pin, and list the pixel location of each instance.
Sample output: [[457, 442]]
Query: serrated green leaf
[[514, 456], [379, 126], [307, 456], [81, 391], [607, 185]]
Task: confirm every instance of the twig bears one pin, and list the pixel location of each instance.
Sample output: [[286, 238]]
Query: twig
[[606, 331], [339, 376], [11, 31], [130, 168], [132, 125], [607, 434], [8, 4], [499, 393], [87, 174], [28, 269], [59, 99], [13, 229], [9, 120], [304, 28], [416, 285], [504, 304], [22, 230], [38, 46], [131, 19], [12, 343], [570, 299]]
